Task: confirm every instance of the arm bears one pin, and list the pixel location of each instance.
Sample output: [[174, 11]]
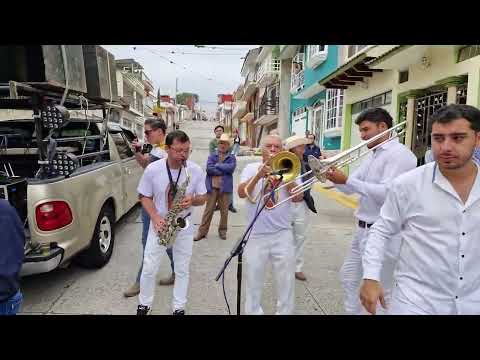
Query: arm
[[227, 167], [142, 159], [390, 223], [199, 196], [211, 168], [199, 200], [248, 183]]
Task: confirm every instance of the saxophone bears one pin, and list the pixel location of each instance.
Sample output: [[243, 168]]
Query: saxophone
[[173, 222]]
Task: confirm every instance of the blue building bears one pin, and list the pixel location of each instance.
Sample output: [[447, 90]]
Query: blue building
[[313, 108]]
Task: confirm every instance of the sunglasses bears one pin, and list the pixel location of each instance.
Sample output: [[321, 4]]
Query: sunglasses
[[148, 132]]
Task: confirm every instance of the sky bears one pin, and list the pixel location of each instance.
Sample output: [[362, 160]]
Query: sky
[[206, 71]]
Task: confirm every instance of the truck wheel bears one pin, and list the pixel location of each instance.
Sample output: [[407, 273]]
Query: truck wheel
[[101, 245]]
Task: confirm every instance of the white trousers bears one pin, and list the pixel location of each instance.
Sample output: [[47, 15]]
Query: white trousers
[[301, 222], [279, 249], [153, 256], [351, 273]]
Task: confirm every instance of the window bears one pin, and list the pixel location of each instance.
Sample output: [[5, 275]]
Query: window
[[123, 147], [354, 49], [375, 101], [334, 108], [468, 52], [317, 54], [403, 76], [462, 94]]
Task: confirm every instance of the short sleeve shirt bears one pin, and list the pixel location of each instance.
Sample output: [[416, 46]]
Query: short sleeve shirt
[[156, 183], [269, 221]]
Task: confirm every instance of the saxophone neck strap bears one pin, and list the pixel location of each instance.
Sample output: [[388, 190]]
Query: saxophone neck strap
[[173, 185]]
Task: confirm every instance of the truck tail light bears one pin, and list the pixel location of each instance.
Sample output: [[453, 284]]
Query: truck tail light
[[53, 215]]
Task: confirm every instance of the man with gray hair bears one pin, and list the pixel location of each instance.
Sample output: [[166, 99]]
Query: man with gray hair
[[271, 238]]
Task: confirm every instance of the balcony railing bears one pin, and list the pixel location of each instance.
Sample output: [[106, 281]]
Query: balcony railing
[[267, 68], [269, 106], [298, 81], [316, 55]]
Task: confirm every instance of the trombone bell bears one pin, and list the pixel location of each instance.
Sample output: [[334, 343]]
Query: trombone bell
[[287, 163]]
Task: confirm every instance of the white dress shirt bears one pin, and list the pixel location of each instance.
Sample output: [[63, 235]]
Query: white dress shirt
[[372, 179], [438, 269]]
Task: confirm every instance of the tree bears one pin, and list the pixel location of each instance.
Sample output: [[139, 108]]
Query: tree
[[182, 97]]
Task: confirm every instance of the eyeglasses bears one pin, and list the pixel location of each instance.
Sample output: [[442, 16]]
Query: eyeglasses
[[186, 152]]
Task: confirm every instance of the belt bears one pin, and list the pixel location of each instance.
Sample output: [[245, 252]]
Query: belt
[[363, 224]]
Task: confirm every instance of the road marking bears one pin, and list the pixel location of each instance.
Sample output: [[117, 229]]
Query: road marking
[[345, 200]]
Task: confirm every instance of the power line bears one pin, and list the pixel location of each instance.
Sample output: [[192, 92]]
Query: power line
[[179, 65], [220, 48]]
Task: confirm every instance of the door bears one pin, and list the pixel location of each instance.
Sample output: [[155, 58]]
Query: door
[[424, 107]]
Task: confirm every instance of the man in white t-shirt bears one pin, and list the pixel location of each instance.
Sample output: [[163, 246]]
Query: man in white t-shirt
[[155, 130], [271, 238], [157, 190]]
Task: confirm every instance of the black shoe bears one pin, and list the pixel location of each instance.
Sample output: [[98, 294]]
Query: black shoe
[[143, 310], [232, 209], [179, 312]]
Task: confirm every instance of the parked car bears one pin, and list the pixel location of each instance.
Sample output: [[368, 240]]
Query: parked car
[[74, 216]]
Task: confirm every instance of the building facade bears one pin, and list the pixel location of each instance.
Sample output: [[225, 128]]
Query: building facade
[[313, 108], [409, 81]]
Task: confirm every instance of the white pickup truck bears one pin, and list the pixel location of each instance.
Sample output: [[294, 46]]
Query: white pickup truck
[[71, 216]]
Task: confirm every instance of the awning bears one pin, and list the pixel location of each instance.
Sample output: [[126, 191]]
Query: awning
[[348, 74], [247, 118], [266, 120]]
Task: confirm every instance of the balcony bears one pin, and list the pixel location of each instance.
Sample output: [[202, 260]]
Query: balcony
[[268, 72], [317, 54], [297, 82], [239, 109], [249, 86], [267, 111]]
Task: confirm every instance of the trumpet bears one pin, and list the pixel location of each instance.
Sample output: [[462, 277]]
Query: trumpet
[[321, 167]]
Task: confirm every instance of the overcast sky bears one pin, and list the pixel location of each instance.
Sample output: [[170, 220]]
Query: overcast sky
[[207, 71]]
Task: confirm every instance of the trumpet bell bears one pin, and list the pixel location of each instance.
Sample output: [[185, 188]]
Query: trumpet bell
[[287, 163]]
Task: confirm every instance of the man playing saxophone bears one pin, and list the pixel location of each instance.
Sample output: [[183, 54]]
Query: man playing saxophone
[[271, 238], [371, 180], [158, 189]]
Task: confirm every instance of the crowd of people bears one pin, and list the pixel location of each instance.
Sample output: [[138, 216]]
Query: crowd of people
[[415, 246]]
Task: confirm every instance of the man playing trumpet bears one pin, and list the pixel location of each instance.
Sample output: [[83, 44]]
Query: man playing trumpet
[[271, 238]]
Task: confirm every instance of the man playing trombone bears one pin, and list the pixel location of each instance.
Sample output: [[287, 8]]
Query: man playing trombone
[[271, 238], [371, 180]]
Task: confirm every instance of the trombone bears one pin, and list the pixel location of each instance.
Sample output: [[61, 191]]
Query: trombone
[[284, 164], [321, 167]]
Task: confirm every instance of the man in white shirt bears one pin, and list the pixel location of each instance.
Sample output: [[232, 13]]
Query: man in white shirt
[[437, 209], [271, 238], [157, 189], [155, 130], [372, 181]]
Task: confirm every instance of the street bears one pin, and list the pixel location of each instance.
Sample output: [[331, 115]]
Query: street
[[75, 290]]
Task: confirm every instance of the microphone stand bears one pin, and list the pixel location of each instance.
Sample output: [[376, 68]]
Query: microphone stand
[[239, 247]]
